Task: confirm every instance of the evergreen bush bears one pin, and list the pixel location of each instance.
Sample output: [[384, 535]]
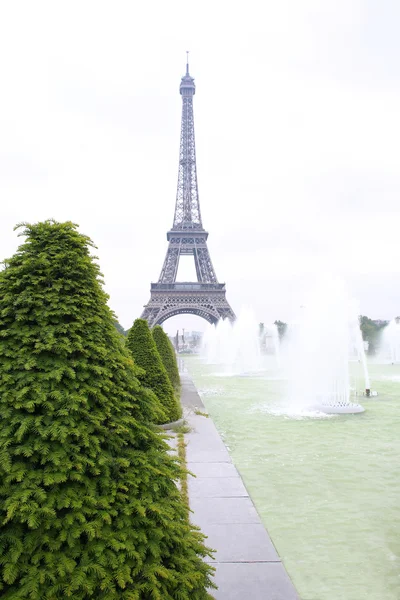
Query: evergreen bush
[[145, 354], [168, 355], [89, 508]]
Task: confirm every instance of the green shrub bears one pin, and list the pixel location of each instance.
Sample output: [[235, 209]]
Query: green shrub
[[145, 354], [89, 507], [168, 356]]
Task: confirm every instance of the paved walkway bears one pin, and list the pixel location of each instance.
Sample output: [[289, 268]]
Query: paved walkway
[[247, 565]]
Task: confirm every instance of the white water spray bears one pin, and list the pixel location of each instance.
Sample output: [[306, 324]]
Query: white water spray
[[234, 347], [390, 341], [318, 351], [270, 342]]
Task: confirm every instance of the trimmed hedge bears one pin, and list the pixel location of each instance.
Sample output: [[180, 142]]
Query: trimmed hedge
[[168, 355], [89, 508], [145, 354]]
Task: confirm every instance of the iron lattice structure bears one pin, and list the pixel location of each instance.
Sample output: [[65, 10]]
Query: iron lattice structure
[[205, 297]]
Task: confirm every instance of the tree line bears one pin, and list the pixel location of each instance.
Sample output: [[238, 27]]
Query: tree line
[[370, 330]]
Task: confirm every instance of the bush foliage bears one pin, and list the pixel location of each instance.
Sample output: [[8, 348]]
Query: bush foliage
[[168, 356], [144, 351], [89, 507]]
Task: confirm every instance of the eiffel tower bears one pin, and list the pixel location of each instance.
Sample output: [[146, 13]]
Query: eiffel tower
[[205, 297]]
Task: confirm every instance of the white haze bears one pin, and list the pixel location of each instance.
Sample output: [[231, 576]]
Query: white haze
[[297, 127]]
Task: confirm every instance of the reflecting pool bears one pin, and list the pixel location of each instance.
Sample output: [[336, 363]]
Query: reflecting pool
[[327, 487]]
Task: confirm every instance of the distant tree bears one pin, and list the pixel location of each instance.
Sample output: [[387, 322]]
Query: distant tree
[[89, 507], [119, 328], [282, 328], [144, 351], [261, 329], [168, 356], [371, 331], [195, 341]]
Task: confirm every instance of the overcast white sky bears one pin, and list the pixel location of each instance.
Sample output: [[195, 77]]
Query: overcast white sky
[[297, 116]]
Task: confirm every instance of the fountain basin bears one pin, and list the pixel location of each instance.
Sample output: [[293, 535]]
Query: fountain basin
[[339, 410]]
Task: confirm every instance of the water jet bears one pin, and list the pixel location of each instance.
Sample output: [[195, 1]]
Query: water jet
[[320, 344], [236, 347], [390, 342]]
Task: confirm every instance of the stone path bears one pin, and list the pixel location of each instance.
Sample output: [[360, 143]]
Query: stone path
[[246, 561]]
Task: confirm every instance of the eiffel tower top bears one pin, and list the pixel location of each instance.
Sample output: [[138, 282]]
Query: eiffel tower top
[[187, 208], [187, 87]]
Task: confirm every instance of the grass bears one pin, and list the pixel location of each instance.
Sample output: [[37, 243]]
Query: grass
[[181, 428], [184, 479], [202, 414]]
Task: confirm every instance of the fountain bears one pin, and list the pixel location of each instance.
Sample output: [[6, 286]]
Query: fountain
[[357, 342], [216, 343], [235, 347], [318, 350], [270, 341], [390, 341]]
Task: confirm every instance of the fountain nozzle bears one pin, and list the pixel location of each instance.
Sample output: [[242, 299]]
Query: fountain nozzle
[[367, 392]]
